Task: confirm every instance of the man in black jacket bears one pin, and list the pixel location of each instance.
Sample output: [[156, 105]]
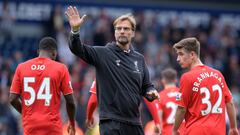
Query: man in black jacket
[[121, 74]]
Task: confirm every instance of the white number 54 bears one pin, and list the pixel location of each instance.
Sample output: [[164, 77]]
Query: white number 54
[[41, 94]]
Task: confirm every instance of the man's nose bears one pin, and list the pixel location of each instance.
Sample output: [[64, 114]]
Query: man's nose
[[122, 30]]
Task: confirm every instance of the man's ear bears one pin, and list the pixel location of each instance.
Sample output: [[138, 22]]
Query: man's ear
[[54, 53], [192, 54]]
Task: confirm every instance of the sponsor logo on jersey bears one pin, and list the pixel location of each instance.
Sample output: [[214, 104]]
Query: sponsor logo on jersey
[[178, 96]]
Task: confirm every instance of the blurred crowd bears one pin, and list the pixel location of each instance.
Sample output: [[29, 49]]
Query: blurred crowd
[[220, 48]]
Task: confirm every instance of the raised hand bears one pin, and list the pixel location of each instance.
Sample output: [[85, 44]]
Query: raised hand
[[74, 19]]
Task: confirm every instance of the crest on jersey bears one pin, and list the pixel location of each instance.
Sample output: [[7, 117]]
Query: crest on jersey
[[118, 62]]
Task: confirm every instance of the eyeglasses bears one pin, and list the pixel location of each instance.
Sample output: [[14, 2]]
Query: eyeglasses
[[127, 29]]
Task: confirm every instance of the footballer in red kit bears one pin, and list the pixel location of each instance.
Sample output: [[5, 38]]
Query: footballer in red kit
[[210, 93], [39, 83], [167, 103], [204, 95], [92, 105]]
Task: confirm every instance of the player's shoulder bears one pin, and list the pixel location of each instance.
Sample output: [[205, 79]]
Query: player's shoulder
[[58, 64], [186, 75], [169, 90], [163, 96], [25, 63], [193, 73], [174, 89], [214, 70], [162, 92]]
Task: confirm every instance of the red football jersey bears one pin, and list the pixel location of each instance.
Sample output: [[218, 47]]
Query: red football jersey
[[92, 101], [168, 106], [204, 93], [40, 82]]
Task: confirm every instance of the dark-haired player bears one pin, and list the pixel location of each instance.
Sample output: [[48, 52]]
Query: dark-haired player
[[36, 89]]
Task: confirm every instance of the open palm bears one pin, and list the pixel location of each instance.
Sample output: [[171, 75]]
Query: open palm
[[74, 18]]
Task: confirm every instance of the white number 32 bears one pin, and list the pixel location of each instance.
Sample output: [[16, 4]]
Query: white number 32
[[41, 94], [205, 100]]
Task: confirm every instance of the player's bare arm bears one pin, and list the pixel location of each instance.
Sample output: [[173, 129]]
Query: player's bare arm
[[15, 102], [92, 105], [74, 18], [232, 118], [178, 119], [160, 115], [70, 105]]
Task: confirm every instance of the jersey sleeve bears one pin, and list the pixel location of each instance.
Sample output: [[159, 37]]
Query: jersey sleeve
[[161, 103], [16, 82], [153, 109], [92, 105], [66, 86], [93, 88], [227, 93], [183, 97]]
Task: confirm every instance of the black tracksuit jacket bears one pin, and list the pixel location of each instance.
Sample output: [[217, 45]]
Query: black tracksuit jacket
[[122, 79]]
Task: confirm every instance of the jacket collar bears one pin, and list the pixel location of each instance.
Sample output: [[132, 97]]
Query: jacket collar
[[114, 46]]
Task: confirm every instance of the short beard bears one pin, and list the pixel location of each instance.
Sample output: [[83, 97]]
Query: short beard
[[123, 40]]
